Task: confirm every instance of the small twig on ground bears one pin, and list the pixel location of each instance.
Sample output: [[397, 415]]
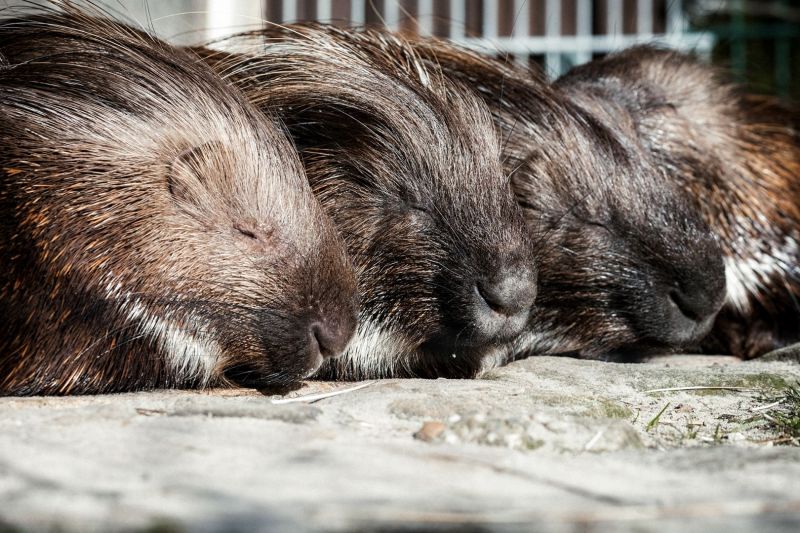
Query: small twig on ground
[[311, 398], [768, 406], [150, 412], [780, 440], [769, 418], [673, 389]]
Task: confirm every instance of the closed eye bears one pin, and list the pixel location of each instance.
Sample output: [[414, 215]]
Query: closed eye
[[595, 224], [245, 232], [419, 215]]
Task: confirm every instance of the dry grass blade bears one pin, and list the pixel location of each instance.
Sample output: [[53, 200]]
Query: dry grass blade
[[699, 387], [311, 398], [784, 416], [593, 441], [768, 406], [654, 422]]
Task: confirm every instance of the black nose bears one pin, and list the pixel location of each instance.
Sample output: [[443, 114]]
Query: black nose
[[328, 340], [503, 302], [697, 305], [689, 311]]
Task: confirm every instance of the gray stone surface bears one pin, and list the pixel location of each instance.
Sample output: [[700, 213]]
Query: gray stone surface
[[547, 444], [788, 353]]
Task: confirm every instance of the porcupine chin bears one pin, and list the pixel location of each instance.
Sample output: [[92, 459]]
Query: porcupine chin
[[158, 231], [407, 163], [626, 265], [736, 157]]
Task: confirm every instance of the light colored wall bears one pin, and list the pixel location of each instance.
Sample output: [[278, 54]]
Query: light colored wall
[[179, 21]]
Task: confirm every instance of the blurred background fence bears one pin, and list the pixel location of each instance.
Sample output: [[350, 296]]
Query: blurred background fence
[[758, 39], [554, 33]]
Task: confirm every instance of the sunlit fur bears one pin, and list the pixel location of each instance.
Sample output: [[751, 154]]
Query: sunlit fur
[[616, 233], [737, 157], [408, 165], [156, 231]]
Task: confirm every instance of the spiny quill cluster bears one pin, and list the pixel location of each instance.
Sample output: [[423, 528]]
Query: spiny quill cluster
[[408, 165], [158, 231], [736, 159], [185, 218], [621, 241]]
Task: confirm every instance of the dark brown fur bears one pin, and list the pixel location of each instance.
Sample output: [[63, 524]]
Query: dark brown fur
[[737, 157], [157, 230], [618, 236], [408, 165]]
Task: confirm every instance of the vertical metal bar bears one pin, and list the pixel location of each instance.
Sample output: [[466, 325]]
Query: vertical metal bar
[[644, 17], [489, 18], [458, 19], [675, 19], [288, 10], [520, 30], [614, 17], [218, 16], [425, 17], [324, 10], [391, 14], [357, 12], [552, 28], [705, 46], [224, 17], [583, 30], [521, 17]]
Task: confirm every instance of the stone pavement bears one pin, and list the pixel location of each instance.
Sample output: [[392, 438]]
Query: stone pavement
[[545, 444]]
